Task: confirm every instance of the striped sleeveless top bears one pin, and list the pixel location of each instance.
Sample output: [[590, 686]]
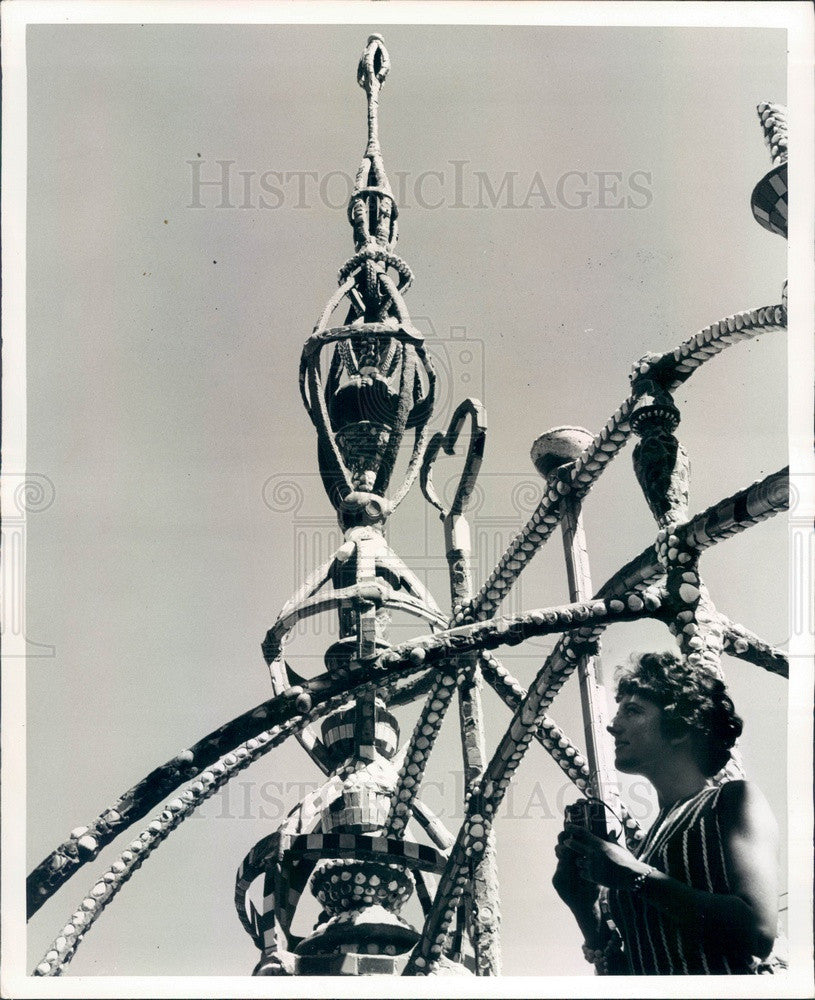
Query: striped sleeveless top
[[686, 843]]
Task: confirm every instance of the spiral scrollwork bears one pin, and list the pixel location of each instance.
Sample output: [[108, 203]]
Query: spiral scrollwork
[[34, 493], [282, 494], [525, 496]]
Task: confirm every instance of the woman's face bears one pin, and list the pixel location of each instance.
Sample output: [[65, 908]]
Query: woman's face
[[638, 737]]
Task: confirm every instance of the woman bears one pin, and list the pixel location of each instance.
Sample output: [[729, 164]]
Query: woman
[[700, 895]]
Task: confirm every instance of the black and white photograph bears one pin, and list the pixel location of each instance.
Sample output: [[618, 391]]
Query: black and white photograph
[[407, 497]]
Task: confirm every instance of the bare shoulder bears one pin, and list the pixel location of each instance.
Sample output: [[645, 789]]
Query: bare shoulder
[[743, 807]]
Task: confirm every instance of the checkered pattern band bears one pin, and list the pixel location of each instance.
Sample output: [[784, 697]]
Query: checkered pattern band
[[769, 201], [297, 857]]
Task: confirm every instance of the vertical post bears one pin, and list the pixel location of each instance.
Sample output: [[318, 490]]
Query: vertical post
[[485, 917], [486, 913], [550, 453], [367, 541], [593, 698]]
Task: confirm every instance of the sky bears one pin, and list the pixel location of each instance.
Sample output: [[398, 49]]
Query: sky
[[570, 199]]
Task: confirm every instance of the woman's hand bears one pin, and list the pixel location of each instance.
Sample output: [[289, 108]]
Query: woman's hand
[[578, 894], [601, 862]]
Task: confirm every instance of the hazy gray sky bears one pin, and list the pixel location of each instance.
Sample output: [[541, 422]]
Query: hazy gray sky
[[163, 342]]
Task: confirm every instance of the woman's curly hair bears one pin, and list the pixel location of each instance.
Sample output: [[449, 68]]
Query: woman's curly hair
[[690, 697]]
